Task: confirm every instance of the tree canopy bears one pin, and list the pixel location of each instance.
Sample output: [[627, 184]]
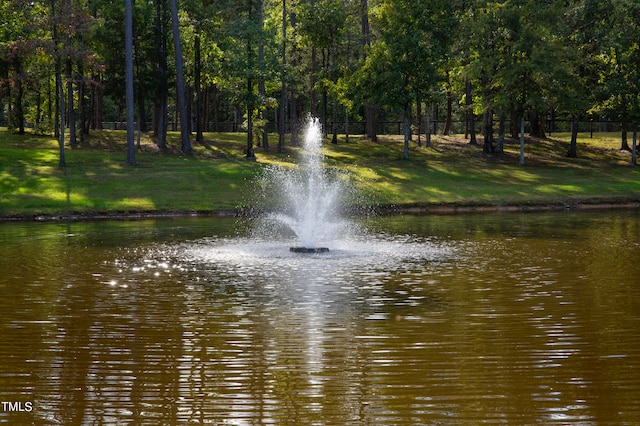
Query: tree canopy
[[260, 65]]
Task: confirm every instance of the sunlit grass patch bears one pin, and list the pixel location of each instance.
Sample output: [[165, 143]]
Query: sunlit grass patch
[[217, 176]]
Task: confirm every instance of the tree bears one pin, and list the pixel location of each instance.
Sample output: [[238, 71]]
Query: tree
[[59, 87], [321, 24], [181, 100], [21, 36], [576, 66], [161, 97], [283, 79], [128, 47], [617, 23], [402, 64]]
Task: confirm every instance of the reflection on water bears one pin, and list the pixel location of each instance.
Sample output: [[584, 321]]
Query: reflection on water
[[518, 319]]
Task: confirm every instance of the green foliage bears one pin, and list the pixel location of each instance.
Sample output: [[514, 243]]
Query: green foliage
[[573, 58]]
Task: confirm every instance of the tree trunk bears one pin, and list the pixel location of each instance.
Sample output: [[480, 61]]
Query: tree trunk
[[419, 121], [82, 105], [447, 123], [62, 161], [17, 113], [406, 131], [56, 118], [128, 55], [513, 122], [249, 94], [283, 80], [624, 141], [58, 76], [370, 109], [537, 125], [334, 119], [487, 147], [261, 85], [188, 101], [73, 141], [294, 104], [429, 129], [181, 100], [206, 108], [161, 96], [501, 133], [198, 87], [634, 152], [522, 141], [250, 153], [573, 145], [346, 127], [99, 105], [471, 122]]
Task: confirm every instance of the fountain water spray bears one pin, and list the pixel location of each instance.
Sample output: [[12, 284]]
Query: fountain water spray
[[309, 196]]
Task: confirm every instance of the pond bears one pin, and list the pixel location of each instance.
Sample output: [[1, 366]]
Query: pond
[[502, 318]]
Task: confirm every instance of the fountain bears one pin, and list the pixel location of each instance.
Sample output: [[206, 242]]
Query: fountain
[[309, 196]]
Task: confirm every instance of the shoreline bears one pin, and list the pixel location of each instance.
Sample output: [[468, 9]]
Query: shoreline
[[380, 210]]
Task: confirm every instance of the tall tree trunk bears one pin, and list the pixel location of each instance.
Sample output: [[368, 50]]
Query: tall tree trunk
[[128, 55], [334, 106], [283, 80], [188, 101], [62, 161], [73, 141], [250, 152], [58, 78], [261, 86], [140, 95], [17, 112], [198, 87], [160, 121], [56, 96], [294, 103], [98, 108], [370, 109], [180, 93], [82, 105]]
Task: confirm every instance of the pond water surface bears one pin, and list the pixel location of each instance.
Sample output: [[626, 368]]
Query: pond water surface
[[494, 319]]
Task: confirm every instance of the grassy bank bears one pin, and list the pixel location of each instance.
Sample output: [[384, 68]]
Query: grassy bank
[[217, 177]]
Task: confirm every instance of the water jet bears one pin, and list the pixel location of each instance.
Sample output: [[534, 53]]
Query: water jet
[[307, 197]]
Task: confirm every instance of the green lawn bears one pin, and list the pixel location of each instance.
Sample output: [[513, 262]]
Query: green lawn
[[217, 177]]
